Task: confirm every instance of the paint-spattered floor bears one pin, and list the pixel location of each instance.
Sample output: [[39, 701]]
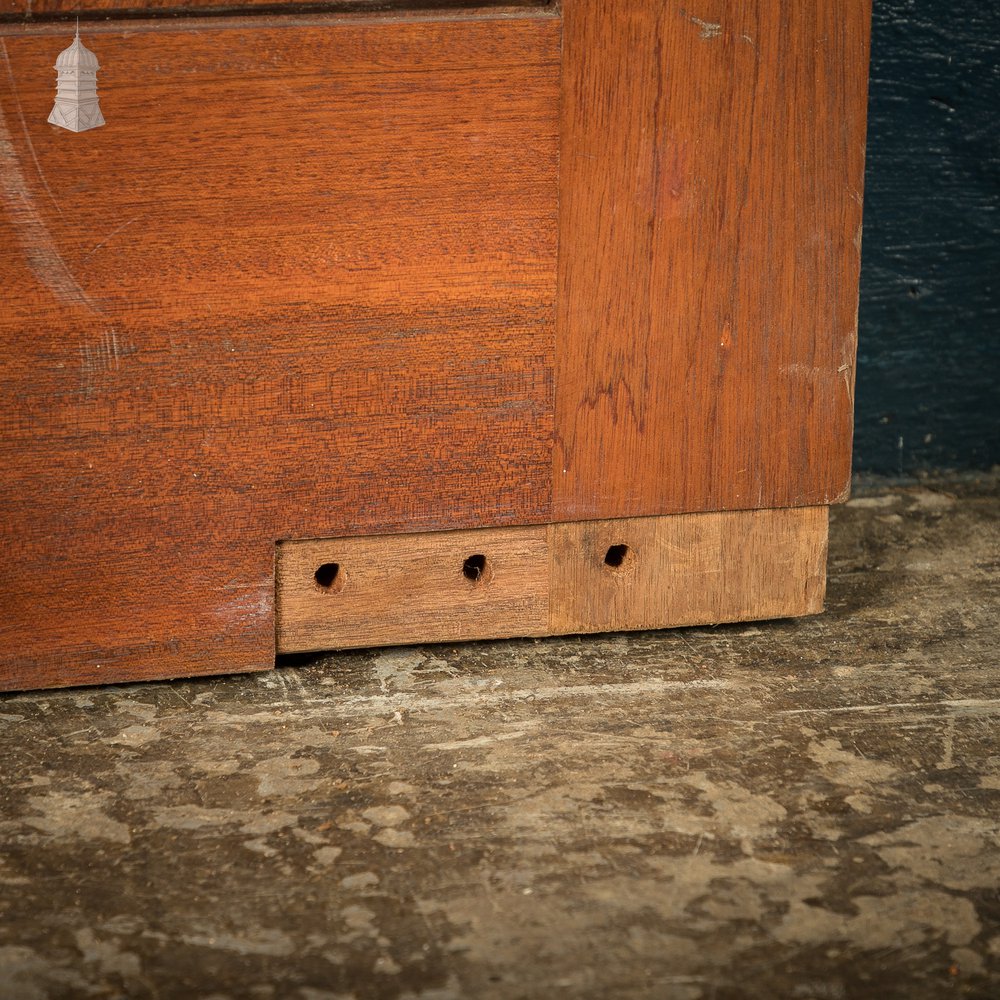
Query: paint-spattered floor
[[804, 809]]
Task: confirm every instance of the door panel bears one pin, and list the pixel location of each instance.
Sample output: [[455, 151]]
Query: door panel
[[301, 284]]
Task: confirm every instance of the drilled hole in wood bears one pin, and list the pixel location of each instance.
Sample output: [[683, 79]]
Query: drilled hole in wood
[[477, 569], [616, 556], [330, 577]]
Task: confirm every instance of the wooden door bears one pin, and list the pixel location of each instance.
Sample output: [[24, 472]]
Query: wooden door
[[339, 275]]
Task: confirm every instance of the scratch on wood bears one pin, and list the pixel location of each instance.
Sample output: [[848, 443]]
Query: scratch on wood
[[110, 237], [845, 372], [24, 124], [708, 28], [248, 609], [40, 250], [103, 356]]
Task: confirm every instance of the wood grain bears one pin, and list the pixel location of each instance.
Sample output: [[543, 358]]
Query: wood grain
[[711, 178], [396, 589], [686, 569], [304, 284], [300, 285]]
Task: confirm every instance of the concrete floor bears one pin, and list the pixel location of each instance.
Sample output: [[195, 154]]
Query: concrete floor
[[804, 809]]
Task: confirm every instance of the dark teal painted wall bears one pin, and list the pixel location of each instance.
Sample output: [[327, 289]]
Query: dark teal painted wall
[[929, 339]]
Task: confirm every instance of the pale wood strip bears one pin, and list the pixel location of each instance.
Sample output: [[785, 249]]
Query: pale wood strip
[[688, 569], [675, 570], [395, 589]]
